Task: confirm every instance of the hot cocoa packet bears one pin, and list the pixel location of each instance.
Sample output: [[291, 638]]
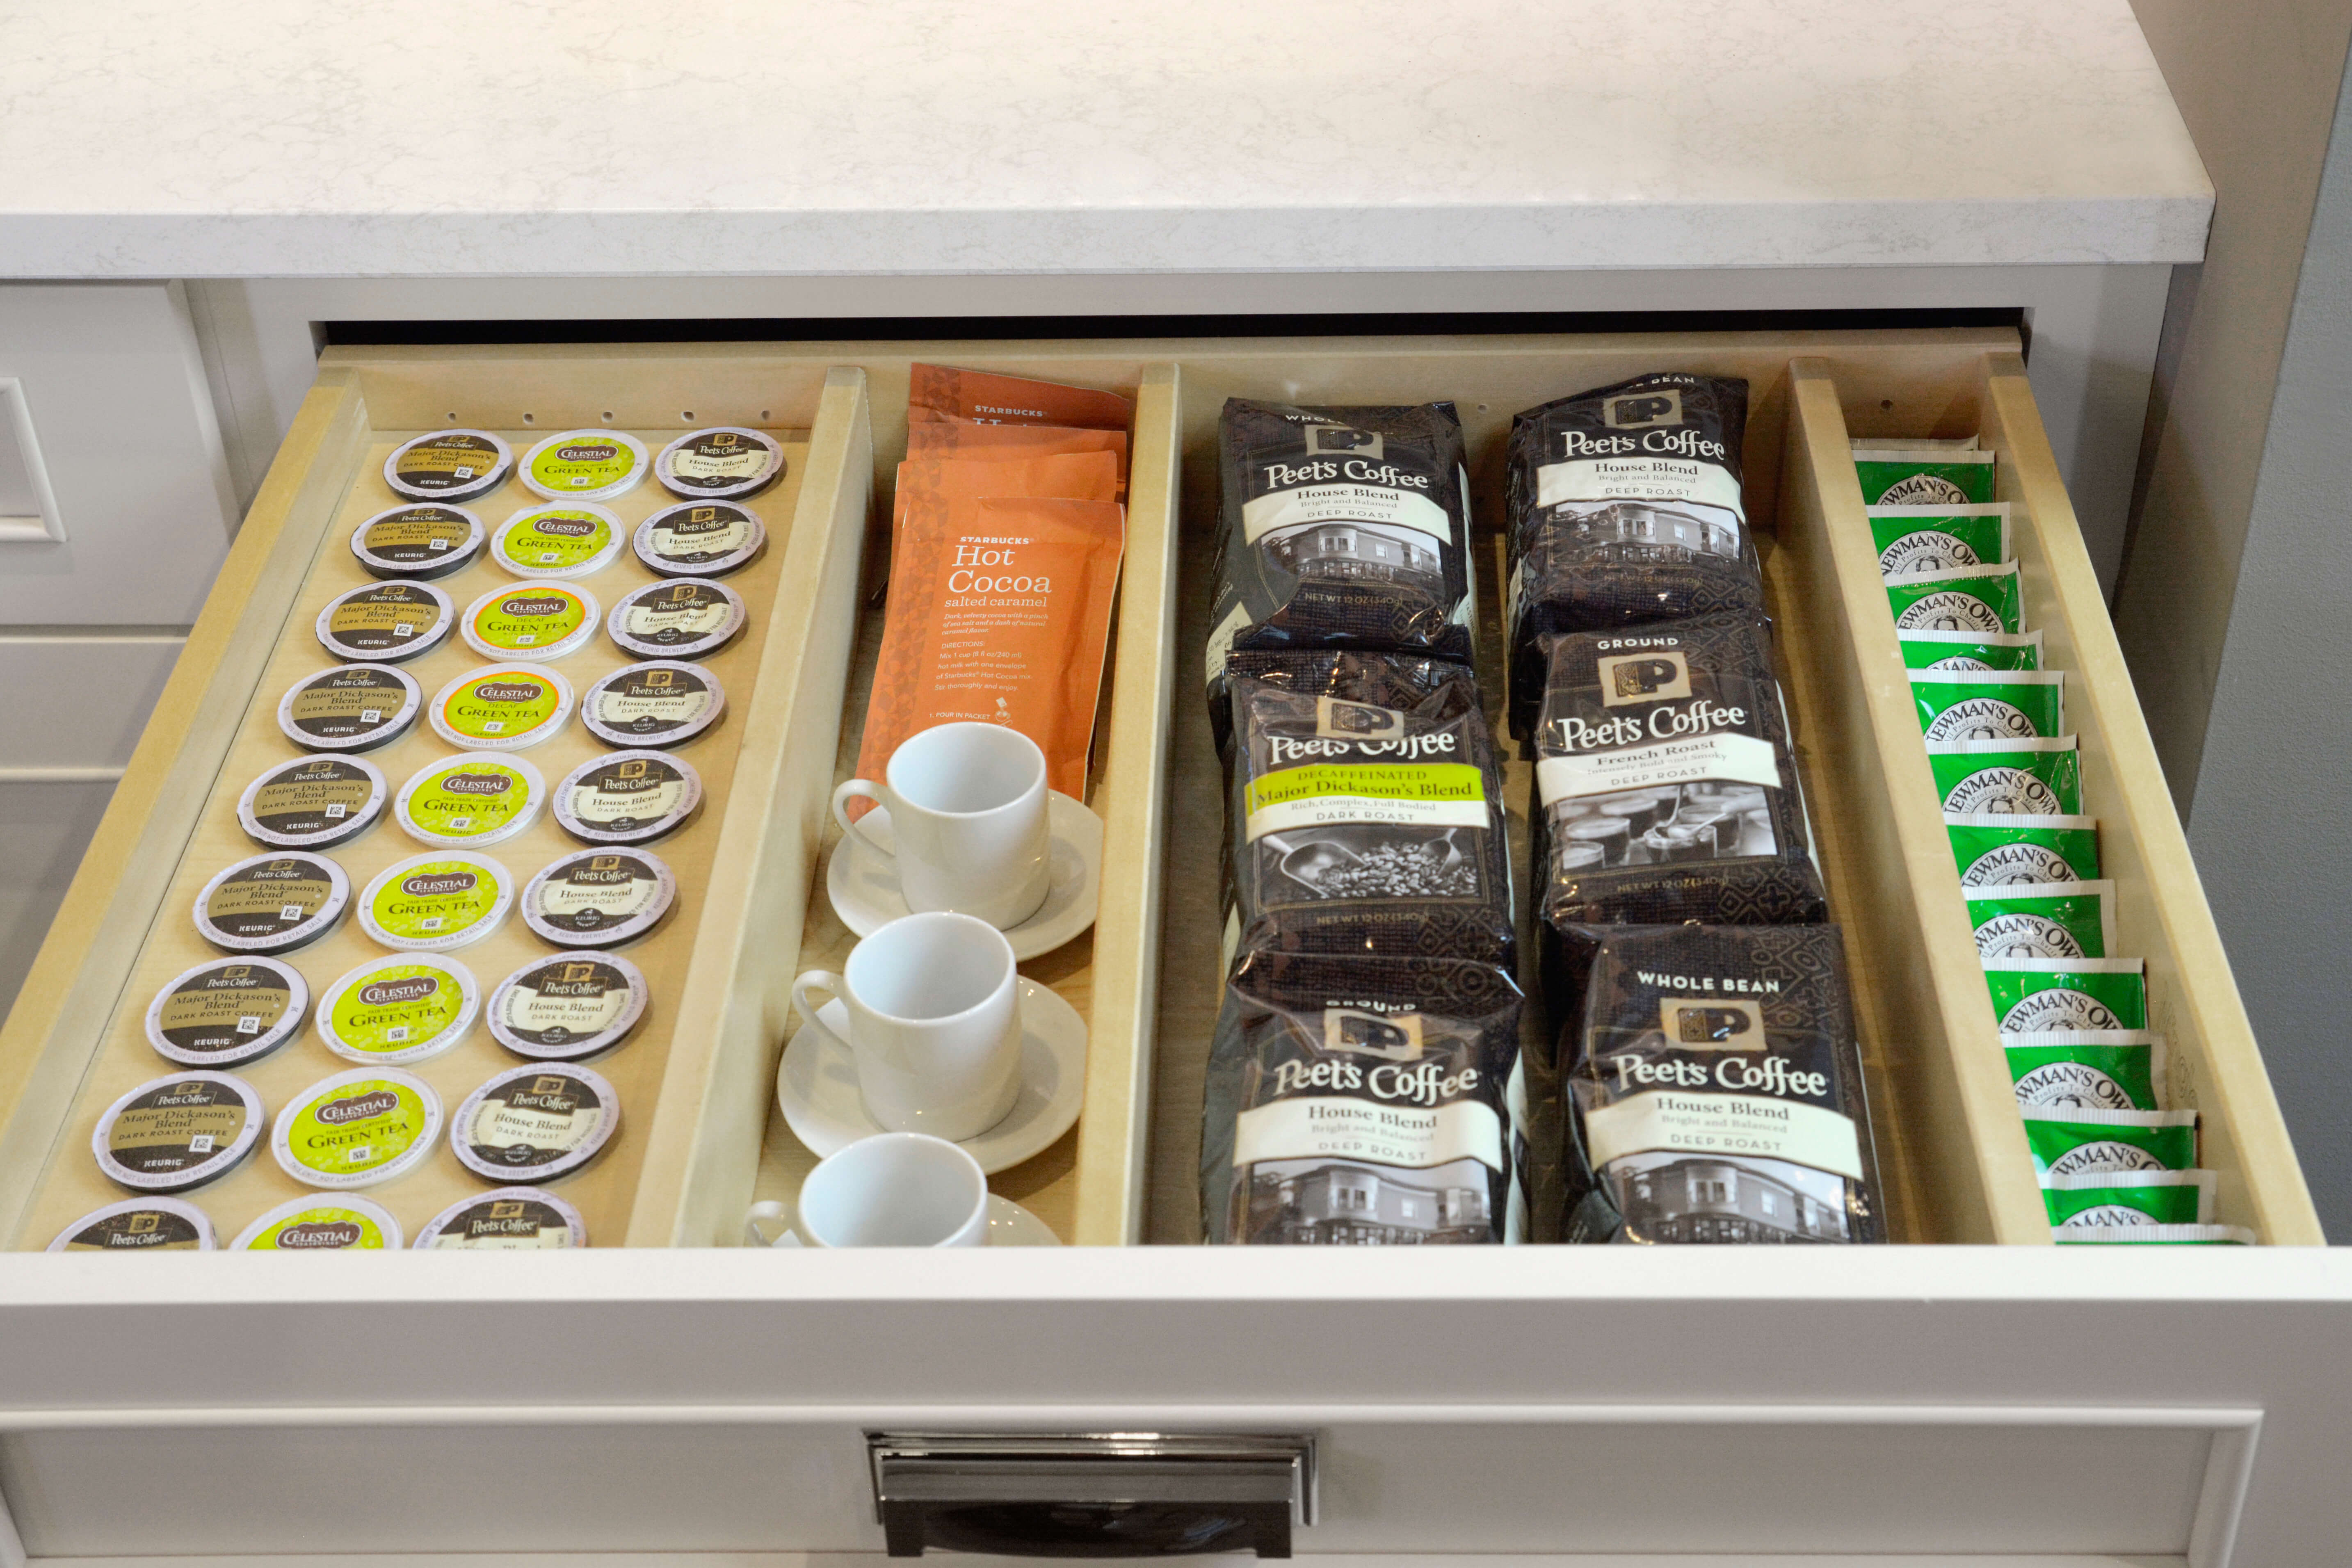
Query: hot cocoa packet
[[936, 393]]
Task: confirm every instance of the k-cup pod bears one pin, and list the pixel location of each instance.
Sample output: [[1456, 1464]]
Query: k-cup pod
[[628, 797], [350, 708], [273, 903], [568, 1007], [436, 902], [471, 800], [532, 620], [448, 466], [726, 462], [139, 1224], [385, 623], [316, 1223], [226, 1012], [176, 1135], [502, 708], [662, 702], [357, 1129], [584, 464], [701, 539], [568, 539], [541, 1122], [419, 541], [408, 1007], [511, 1219], [677, 618], [600, 898], [315, 803]]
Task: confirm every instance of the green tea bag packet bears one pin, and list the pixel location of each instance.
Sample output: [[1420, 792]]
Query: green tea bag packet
[[2049, 920], [1970, 650], [2035, 996], [2038, 776], [1923, 475], [2153, 1235], [2065, 1070], [1861, 444], [1938, 538], [2130, 1198], [2090, 1143], [2002, 851], [1990, 704], [1968, 599]]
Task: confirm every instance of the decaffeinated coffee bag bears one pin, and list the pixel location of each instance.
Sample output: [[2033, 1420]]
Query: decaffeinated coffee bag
[[1625, 509], [1358, 1102]]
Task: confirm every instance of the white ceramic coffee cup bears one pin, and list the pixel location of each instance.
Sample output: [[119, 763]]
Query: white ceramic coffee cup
[[894, 1189], [934, 1004], [967, 806]]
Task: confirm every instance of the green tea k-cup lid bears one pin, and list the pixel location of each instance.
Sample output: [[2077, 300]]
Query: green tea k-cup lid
[[724, 462], [660, 702], [600, 898], [438, 902], [357, 1128], [273, 903], [140, 1224], [542, 1120], [470, 800], [350, 708], [532, 620], [404, 1008], [568, 1007], [628, 797], [313, 1222], [677, 618], [584, 464], [172, 1134], [511, 1219], [385, 623], [418, 542], [315, 803], [502, 707], [226, 1012], [448, 465], [701, 539], [569, 540]]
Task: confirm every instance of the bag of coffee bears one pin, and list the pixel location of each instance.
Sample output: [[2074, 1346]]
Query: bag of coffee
[[1970, 650], [1345, 528], [2154, 1234], [2002, 851], [1930, 475], [2088, 1069], [2083, 1143], [2036, 776], [2051, 919], [1364, 809], [1990, 704], [2130, 1198], [2033, 995], [1913, 539], [1360, 1102], [1625, 508], [1970, 599], [1715, 1090]]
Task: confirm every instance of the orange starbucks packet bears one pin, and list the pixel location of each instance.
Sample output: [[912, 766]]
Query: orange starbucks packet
[[938, 391], [931, 483], [962, 441]]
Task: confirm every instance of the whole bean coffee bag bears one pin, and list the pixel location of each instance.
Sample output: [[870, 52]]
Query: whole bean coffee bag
[[1364, 809], [1360, 1102], [1625, 509], [1345, 528], [1715, 1091]]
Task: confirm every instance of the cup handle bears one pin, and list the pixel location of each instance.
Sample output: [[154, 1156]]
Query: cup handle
[[755, 1233], [819, 980], [855, 789]]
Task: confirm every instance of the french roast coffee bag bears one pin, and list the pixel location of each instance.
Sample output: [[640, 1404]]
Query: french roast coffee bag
[[1340, 528], [1364, 809], [1665, 790], [1715, 1090], [1360, 1102], [1625, 509]]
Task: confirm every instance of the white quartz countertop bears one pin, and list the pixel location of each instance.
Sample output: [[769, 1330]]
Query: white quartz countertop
[[328, 138]]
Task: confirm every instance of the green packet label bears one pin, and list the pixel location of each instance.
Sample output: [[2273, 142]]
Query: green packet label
[[1421, 795], [2070, 1143], [1937, 478], [2132, 1199], [2054, 920], [2031, 996], [1989, 705], [1971, 599], [2154, 1234], [1938, 538], [2088, 1069], [2037, 777], [2005, 851], [1970, 650]]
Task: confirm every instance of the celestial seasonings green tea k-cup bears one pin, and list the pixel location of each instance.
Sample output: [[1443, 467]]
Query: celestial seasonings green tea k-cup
[[1988, 704], [226, 1012], [1938, 538], [418, 542], [405, 1008], [2082, 1142], [543, 1122], [176, 1135], [357, 1129], [2088, 1069], [1970, 650], [273, 903], [502, 708], [2130, 1198], [139, 1224], [315, 803], [2049, 920], [350, 708], [470, 800], [1935, 475], [584, 464], [2033, 994], [2033, 776], [2000, 851], [564, 540], [316, 1223], [532, 620], [436, 902], [568, 1007], [508, 1219], [1966, 599]]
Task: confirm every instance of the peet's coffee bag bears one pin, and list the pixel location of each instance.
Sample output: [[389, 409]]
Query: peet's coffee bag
[[2084, 1142], [1988, 705], [2035, 776], [1364, 809], [1715, 1090], [1926, 476], [2050, 919], [1938, 538], [2088, 1069], [2129, 1198], [1360, 1102], [1344, 527], [1970, 650], [1968, 599], [2031, 995], [1625, 508], [2003, 851]]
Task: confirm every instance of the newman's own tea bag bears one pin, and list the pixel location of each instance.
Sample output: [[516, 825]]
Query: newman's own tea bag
[[1340, 528], [2154, 1234], [2031, 995], [1663, 786], [1988, 704], [1923, 476], [2088, 1069], [1912, 539], [1364, 808], [1970, 650], [2003, 851], [1625, 509], [2071, 1142], [2052, 920], [1715, 1091], [2130, 1198], [2035, 777], [1971, 599], [1359, 1101]]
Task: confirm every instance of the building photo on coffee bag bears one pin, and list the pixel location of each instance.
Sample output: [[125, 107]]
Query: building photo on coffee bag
[[1715, 1090], [1365, 808], [1340, 528], [1990, 704], [2033, 776], [1966, 599], [2002, 851], [1938, 538], [1360, 1102], [1624, 508], [2048, 920], [2031, 995], [2088, 1069], [1970, 650]]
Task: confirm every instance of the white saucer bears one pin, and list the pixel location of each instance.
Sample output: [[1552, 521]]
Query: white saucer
[[863, 886], [1010, 1225], [816, 1084]]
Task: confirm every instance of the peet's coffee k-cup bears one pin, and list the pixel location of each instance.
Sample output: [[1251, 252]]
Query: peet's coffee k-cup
[[1715, 1090], [1665, 790], [1359, 1102], [1364, 809], [1624, 509], [1340, 528]]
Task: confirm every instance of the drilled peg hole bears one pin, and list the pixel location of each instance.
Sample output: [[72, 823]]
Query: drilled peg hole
[[764, 416], [1886, 406], [529, 420], [688, 416], [608, 416], [452, 416]]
